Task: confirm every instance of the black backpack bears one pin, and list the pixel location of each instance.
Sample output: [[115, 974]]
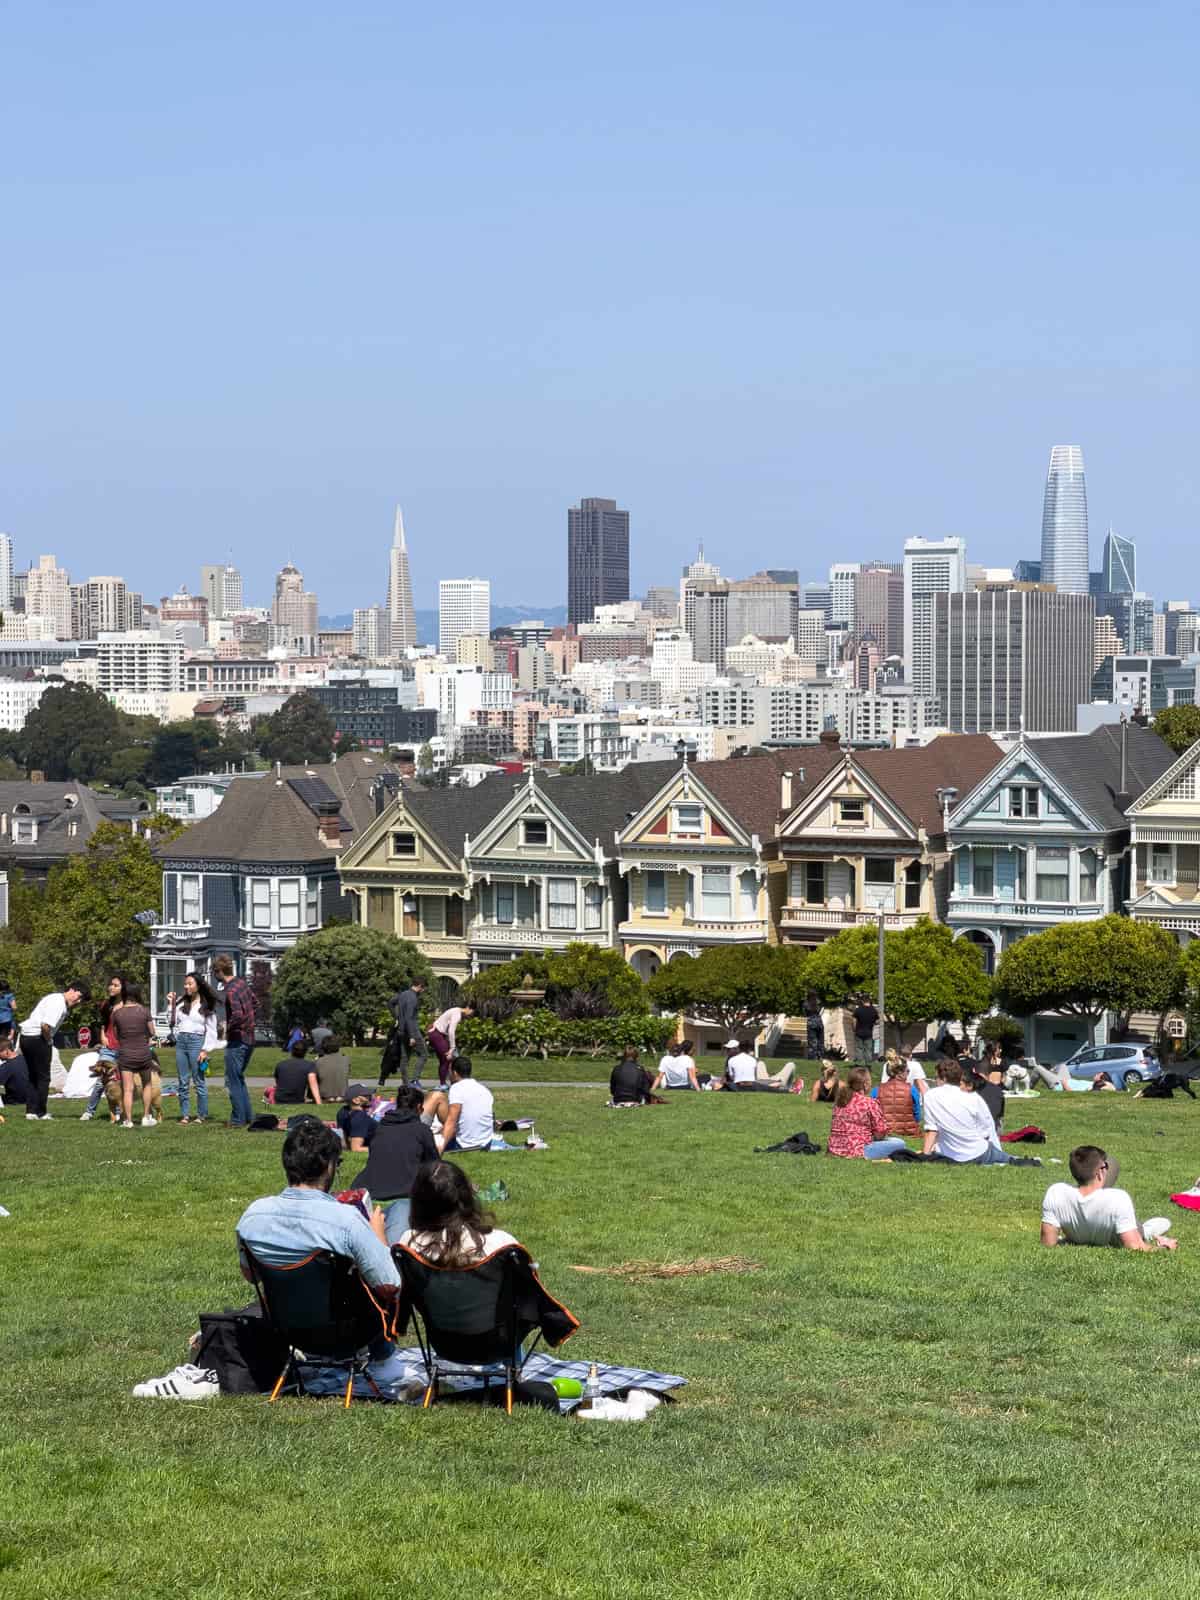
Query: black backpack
[[242, 1349]]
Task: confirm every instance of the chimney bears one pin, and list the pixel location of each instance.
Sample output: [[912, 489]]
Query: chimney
[[785, 792], [331, 830], [1123, 799]]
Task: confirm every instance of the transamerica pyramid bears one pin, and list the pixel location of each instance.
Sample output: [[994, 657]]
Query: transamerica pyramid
[[402, 621]]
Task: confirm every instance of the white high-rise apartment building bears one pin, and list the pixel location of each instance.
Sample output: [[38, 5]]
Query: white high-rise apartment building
[[931, 566], [464, 606], [48, 594], [458, 692], [139, 662], [371, 635], [6, 574], [222, 588], [843, 576]]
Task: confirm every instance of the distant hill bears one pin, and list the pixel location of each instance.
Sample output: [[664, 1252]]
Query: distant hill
[[502, 617]]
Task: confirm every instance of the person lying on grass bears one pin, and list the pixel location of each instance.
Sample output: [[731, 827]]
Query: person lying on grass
[[1097, 1212], [859, 1127]]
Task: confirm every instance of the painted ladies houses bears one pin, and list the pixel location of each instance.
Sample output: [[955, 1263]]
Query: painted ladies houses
[[693, 859], [1165, 837], [1042, 838], [481, 876], [258, 873], [862, 833]]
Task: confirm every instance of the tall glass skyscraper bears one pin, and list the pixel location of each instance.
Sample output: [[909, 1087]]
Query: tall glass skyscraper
[[1064, 522], [1119, 565]]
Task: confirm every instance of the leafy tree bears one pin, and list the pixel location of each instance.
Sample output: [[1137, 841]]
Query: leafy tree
[[83, 925], [1005, 1031], [737, 986], [72, 733], [843, 966], [928, 975], [581, 981], [1178, 726], [349, 970], [179, 748], [1087, 968], [425, 759], [301, 730]]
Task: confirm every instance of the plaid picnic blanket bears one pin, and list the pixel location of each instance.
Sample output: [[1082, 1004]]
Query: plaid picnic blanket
[[409, 1385]]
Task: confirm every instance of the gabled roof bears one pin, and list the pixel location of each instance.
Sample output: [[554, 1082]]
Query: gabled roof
[[749, 787], [912, 777], [1167, 779], [55, 806], [1089, 767]]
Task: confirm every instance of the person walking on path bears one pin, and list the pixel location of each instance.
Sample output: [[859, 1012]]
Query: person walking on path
[[814, 1027], [37, 1043], [194, 1024], [407, 1037], [443, 1038], [134, 1028], [240, 1016]]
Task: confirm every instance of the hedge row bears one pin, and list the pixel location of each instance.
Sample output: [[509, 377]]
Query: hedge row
[[543, 1033]]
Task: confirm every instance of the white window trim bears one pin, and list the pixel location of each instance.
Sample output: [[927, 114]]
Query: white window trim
[[297, 907], [677, 828], [650, 911], [536, 844], [198, 879], [552, 909], [251, 907], [593, 906], [716, 916], [1162, 883]]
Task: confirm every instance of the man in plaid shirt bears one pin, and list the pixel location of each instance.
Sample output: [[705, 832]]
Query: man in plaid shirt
[[240, 1015]]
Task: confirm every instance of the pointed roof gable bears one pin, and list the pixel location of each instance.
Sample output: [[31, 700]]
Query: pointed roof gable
[[1088, 767], [1172, 782], [911, 777]]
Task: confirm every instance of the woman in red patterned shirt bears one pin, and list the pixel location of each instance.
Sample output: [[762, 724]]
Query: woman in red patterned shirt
[[859, 1127]]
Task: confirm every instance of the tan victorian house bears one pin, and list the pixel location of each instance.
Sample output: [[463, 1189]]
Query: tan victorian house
[[1164, 825], [863, 833]]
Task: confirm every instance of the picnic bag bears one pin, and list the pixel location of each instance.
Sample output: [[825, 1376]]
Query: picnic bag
[[242, 1349]]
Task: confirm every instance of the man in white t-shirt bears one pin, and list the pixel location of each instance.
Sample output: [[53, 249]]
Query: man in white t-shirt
[[470, 1122], [1097, 1212], [740, 1065], [959, 1126]]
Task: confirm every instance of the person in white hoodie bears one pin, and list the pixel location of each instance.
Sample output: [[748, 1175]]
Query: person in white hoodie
[[194, 1024]]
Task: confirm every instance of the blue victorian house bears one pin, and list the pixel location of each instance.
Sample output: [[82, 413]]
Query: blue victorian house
[[1043, 839]]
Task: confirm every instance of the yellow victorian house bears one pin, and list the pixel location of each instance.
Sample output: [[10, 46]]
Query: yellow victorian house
[[1164, 832]]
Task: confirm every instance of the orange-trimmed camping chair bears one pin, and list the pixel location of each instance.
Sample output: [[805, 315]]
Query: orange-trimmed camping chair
[[325, 1313], [480, 1315]]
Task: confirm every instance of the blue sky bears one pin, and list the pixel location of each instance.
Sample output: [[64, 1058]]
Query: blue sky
[[798, 283]]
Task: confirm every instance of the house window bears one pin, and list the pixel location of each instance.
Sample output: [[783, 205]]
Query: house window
[[1023, 800], [505, 902], [289, 903], [689, 821], [593, 905], [24, 830], [1087, 876], [983, 876], [814, 883], [260, 903], [912, 886], [312, 903], [747, 894], [715, 899], [528, 905], [852, 810], [410, 916], [454, 917], [535, 830], [1054, 875], [381, 911], [654, 893], [560, 899], [189, 897], [1162, 863], [404, 844], [879, 883]]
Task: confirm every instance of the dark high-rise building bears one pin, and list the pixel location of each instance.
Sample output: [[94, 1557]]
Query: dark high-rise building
[[597, 557], [1007, 658]]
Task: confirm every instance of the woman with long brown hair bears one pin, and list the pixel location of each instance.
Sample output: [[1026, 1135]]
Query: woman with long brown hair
[[858, 1128]]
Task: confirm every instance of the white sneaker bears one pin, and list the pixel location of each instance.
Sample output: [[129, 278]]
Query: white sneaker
[[31, 1116], [86, 1117], [45, 1117], [185, 1383], [149, 1122], [1154, 1227], [127, 1124]]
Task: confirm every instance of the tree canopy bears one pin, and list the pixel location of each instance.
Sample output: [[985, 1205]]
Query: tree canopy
[[582, 981], [736, 986], [347, 975], [1087, 968], [301, 730], [1178, 726], [72, 733]]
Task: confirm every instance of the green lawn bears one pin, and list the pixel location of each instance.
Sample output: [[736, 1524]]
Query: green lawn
[[911, 1398]]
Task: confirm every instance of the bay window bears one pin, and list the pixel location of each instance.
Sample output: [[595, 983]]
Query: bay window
[[1053, 875], [879, 883], [289, 903], [747, 894], [560, 901], [912, 886], [260, 902], [715, 898], [505, 903], [593, 905], [654, 893], [189, 897], [983, 875], [1087, 876], [312, 903]]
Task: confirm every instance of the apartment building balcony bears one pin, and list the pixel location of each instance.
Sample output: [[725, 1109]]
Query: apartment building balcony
[[973, 909], [827, 919], [165, 935]]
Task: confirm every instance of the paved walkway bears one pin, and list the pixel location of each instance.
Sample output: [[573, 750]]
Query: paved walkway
[[492, 1083]]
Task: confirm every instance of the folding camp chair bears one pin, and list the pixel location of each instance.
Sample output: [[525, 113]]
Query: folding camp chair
[[324, 1312], [479, 1316]]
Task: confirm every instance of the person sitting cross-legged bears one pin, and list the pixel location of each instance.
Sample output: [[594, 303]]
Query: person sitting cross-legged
[[470, 1117], [629, 1082], [1097, 1212], [676, 1070], [959, 1126], [859, 1127], [898, 1098], [282, 1229]]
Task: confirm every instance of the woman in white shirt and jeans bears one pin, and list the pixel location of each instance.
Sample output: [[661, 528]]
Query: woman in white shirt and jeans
[[194, 1024], [676, 1070]]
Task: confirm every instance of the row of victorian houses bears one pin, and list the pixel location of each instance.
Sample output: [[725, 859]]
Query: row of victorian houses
[[661, 860]]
